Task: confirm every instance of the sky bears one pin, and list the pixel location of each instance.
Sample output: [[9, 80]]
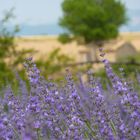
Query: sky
[[35, 12]]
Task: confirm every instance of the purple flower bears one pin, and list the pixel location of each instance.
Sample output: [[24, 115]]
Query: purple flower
[[75, 111]]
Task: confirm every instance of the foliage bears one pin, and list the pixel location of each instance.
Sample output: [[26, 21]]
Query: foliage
[[54, 63], [7, 45], [130, 59], [75, 111], [132, 68], [93, 20], [64, 38]]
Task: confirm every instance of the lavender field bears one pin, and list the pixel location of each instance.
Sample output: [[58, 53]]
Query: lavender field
[[71, 110], [55, 80]]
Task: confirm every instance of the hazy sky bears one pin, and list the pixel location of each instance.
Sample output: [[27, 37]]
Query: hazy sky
[[43, 11]]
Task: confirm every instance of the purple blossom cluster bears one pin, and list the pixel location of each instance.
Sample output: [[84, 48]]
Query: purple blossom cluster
[[71, 110]]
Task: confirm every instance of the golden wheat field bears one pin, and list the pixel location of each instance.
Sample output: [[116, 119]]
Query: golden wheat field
[[43, 45]]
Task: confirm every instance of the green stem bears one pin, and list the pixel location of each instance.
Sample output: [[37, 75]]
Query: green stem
[[113, 127], [89, 127], [38, 135]]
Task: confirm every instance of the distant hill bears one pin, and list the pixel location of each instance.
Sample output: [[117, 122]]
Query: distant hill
[[54, 29]]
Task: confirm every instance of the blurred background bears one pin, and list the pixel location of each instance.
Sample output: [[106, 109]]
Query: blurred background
[[68, 33]]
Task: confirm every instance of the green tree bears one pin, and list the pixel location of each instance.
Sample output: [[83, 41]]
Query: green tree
[[7, 45], [92, 21]]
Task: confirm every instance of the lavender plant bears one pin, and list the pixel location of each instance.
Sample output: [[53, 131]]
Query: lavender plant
[[72, 111]]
